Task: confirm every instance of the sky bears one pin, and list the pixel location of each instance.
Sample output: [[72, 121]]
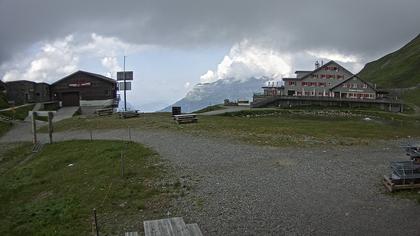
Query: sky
[[173, 45]]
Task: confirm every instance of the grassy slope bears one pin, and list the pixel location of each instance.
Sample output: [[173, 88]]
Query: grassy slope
[[19, 113], [45, 196], [400, 69], [412, 96], [272, 127]]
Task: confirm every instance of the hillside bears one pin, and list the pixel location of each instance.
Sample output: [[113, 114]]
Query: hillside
[[400, 69]]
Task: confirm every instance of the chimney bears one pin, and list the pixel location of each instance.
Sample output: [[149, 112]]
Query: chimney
[[322, 62], [316, 65]]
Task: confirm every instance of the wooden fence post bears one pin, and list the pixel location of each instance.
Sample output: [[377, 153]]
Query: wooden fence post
[[34, 140], [96, 222], [122, 164], [50, 125]]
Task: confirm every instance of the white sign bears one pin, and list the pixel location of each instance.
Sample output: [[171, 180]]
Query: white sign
[[80, 84], [121, 86], [128, 75]]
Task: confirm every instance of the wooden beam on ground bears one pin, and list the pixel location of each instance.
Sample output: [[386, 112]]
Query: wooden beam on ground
[[166, 227]]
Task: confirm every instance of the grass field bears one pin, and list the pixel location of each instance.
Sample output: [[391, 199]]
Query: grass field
[[4, 127], [54, 191], [272, 127], [19, 113]]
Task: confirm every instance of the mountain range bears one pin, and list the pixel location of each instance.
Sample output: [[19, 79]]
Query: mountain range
[[206, 94]]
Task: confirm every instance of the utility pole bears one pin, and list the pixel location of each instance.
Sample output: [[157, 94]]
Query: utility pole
[[125, 89]]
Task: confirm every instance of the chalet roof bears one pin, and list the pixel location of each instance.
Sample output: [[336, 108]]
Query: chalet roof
[[290, 78], [88, 73], [21, 81], [318, 69], [354, 76], [303, 71], [277, 87]]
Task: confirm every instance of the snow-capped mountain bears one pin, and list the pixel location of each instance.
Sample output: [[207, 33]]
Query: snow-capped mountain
[[206, 94]]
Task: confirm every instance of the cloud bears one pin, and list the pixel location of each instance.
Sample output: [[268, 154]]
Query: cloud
[[61, 57], [187, 85], [365, 27], [54, 58], [245, 60], [334, 56]]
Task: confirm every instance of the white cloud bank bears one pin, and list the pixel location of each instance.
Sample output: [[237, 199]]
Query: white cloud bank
[[62, 56], [245, 60]]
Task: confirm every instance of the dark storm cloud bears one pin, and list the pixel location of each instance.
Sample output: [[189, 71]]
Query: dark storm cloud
[[358, 27]]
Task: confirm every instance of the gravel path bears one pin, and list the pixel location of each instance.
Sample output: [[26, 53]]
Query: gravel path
[[249, 190]]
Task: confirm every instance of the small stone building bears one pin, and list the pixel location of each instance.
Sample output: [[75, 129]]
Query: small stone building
[[22, 91], [2, 86], [85, 89]]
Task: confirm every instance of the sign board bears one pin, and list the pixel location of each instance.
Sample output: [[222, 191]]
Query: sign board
[[121, 86], [128, 75], [80, 84]]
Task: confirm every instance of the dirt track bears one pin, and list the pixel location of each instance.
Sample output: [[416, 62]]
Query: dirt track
[[240, 189]]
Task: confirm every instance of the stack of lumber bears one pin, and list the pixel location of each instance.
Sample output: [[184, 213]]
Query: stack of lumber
[[185, 118], [405, 174], [104, 112], [128, 114]]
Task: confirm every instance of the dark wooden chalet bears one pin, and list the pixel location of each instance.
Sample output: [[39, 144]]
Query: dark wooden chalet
[[85, 89]]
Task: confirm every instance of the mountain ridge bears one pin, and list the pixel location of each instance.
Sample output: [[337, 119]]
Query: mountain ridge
[[399, 69], [207, 94]]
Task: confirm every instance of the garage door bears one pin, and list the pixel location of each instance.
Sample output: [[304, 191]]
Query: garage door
[[70, 99]]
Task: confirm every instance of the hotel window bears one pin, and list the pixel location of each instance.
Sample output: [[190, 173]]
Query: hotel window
[[365, 86], [344, 85], [354, 85]]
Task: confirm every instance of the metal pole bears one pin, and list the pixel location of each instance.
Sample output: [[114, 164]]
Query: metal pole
[[125, 94], [96, 222]]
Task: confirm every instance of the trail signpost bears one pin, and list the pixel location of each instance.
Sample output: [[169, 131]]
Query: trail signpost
[[124, 76]]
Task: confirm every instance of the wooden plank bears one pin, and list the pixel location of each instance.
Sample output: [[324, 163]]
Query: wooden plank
[[131, 234], [194, 230], [391, 186], [388, 183], [166, 227]]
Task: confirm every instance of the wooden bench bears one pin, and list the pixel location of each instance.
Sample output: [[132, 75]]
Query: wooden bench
[[128, 114], [104, 112], [185, 118], [5, 118], [170, 227]]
